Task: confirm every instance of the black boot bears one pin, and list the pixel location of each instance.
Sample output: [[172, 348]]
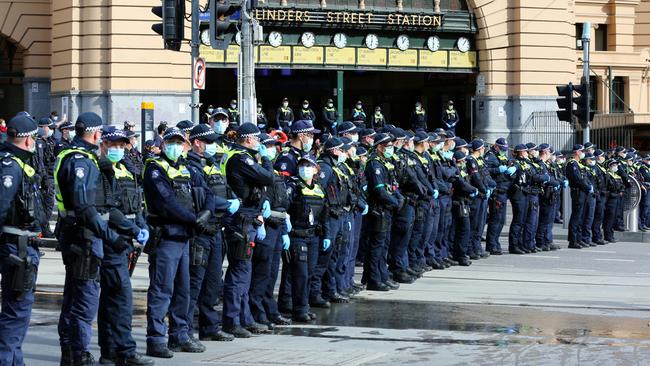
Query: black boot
[[135, 360], [84, 359], [66, 356]]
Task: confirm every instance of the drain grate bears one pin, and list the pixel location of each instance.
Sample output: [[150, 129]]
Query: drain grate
[[295, 357]]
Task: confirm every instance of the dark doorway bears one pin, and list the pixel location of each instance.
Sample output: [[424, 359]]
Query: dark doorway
[[11, 79]]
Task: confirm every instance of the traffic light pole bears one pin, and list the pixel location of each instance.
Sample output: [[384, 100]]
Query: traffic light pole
[[194, 43], [247, 71], [586, 36]]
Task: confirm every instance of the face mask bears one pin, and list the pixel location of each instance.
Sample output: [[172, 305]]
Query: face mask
[[32, 149], [210, 110], [409, 147], [418, 108], [72, 134], [354, 138], [233, 106], [285, 104], [55, 118], [437, 147], [341, 158], [591, 163], [115, 154], [447, 155], [50, 133], [450, 107], [306, 146], [259, 110], [173, 151], [330, 105], [613, 169], [358, 106], [305, 106], [220, 127], [502, 152], [210, 150], [582, 155], [306, 172], [388, 153], [271, 152]]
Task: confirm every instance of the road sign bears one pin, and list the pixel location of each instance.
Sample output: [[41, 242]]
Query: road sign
[[199, 73]]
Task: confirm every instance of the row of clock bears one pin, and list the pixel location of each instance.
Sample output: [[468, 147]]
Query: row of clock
[[403, 42]]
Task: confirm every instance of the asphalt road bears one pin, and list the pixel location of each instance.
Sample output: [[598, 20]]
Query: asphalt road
[[569, 307]]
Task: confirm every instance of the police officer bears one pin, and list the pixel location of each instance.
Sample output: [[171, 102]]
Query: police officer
[[306, 113], [538, 178], [547, 199], [284, 116], [433, 254], [132, 156], [262, 121], [366, 137], [450, 117], [601, 197], [186, 127], [448, 173], [615, 190], [580, 188], [82, 236], [377, 120], [359, 115], [267, 253], [171, 194], [419, 118], [233, 112], [463, 191], [219, 123], [119, 197], [45, 155], [479, 178], [496, 159], [518, 195], [67, 134], [208, 113], [206, 249], [644, 209], [247, 179], [20, 216], [302, 141], [330, 117], [308, 212], [383, 198], [589, 166]]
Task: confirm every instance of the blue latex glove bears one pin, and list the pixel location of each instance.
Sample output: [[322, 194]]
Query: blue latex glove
[[365, 210], [286, 242], [260, 233], [365, 188], [474, 194], [143, 236], [557, 188], [502, 168], [436, 194], [287, 221], [349, 226], [326, 244], [511, 171], [266, 209], [565, 183], [591, 189], [488, 194], [234, 206], [261, 148]]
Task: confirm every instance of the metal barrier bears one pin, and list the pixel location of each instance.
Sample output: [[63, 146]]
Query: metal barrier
[[614, 129], [545, 127]]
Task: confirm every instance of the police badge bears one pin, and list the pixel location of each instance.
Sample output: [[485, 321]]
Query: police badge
[[79, 172], [8, 181]]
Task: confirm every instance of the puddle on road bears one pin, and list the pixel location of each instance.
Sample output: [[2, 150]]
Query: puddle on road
[[494, 319]]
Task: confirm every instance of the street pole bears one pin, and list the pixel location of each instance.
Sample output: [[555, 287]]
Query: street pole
[[248, 111], [339, 94], [194, 43], [586, 37]]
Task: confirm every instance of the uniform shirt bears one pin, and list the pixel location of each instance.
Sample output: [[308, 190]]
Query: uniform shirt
[[330, 116], [244, 175], [287, 162], [575, 175], [381, 191], [196, 163], [262, 122], [283, 115], [12, 184], [358, 115], [377, 120], [307, 114], [450, 118], [419, 119]]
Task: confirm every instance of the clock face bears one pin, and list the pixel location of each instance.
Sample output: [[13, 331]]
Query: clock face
[[308, 39], [205, 37], [433, 43], [462, 44], [275, 39], [403, 42], [372, 41], [340, 40], [238, 38]]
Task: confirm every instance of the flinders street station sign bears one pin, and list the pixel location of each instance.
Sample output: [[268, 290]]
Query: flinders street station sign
[[338, 18]]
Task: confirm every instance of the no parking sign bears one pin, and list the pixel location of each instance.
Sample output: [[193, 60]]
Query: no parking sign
[[199, 73]]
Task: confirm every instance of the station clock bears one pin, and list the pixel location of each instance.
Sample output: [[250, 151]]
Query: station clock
[[433, 43], [372, 41], [403, 42], [275, 39], [462, 44], [340, 40], [308, 39]]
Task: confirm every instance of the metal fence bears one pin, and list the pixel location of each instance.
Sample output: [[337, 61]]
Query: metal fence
[[613, 129], [546, 127]]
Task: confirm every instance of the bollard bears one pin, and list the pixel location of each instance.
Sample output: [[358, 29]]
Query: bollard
[[566, 207], [632, 220]]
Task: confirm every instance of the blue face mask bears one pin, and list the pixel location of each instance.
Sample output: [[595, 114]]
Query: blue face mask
[[342, 158], [220, 127], [388, 153], [210, 150], [447, 155], [306, 172], [173, 151], [306, 146], [115, 154]]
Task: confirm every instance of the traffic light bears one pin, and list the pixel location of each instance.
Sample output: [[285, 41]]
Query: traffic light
[[172, 28], [565, 102], [582, 104], [224, 22]]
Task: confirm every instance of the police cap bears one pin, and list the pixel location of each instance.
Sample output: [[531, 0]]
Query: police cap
[[333, 143], [89, 122], [219, 111], [149, 143], [130, 133], [347, 127], [247, 130], [382, 138], [45, 121], [421, 137], [577, 147], [303, 126], [629, 157], [366, 132], [399, 133], [435, 137], [476, 144], [589, 145], [460, 142], [502, 143], [612, 162], [267, 140], [309, 158], [185, 125], [21, 126], [459, 156], [588, 156], [173, 132], [66, 126], [520, 148], [619, 149], [361, 151], [347, 143], [544, 146], [128, 124], [409, 135], [330, 100], [598, 152], [449, 134], [531, 146], [113, 134], [203, 133]]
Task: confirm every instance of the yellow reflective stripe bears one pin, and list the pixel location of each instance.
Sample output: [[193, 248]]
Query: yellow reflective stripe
[[317, 191], [122, 173], [211, 170], [463, 173], [339, 173], [226, 156], [172, 173], [59, 159], [29, 171]]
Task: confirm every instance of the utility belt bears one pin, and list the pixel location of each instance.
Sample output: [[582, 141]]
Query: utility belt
[[335, 212], [72, 214], [85, 265], [155, 237], [130, 216], [238, 244], [380, 220], [460, 208], [23, 278], [523, 189], [198, 254], [306, 233]]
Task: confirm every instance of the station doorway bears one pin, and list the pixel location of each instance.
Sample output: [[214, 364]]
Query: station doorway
[[396, 92]]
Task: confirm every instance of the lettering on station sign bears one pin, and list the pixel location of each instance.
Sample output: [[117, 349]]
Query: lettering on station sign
[[346, 17]]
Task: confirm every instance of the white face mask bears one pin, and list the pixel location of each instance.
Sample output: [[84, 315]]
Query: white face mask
[[285, 104], [305, 106]]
